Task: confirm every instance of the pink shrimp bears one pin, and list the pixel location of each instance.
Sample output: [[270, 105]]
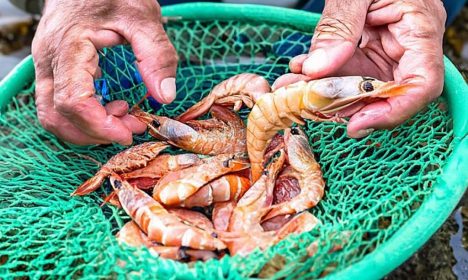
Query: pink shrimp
[[176, 187], [157, 223]]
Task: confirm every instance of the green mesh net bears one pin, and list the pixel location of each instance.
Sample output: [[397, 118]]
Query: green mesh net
[[374, 185]]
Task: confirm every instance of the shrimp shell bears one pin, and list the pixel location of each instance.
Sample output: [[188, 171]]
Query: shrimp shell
[[130, 159], [174, 188], [307, 100], [158, 224], [242, 88]]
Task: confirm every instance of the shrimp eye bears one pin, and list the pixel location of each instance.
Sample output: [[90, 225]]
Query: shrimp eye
[[367, 86], [226, 163], [183, 253], [295, 131], [213, 234], [266, 173], [118, 184], [155, 123]]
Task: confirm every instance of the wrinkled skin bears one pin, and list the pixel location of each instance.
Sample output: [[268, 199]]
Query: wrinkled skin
[[387, 39], [66, 62]]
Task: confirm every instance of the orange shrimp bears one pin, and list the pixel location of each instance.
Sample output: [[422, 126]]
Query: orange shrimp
[[148, 176], [314, 100], [256, 201], [132, 235], [243, 243], [222, 212], [176, 187], [162, 165], [242, 88], [193, 218], [157, 223], [125, 161], [229, 187], [224, 133], [306, 170]]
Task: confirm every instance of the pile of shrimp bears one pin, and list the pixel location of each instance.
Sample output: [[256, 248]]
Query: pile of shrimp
[[232, 188]]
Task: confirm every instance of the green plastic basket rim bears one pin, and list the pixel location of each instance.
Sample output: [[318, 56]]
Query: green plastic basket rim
[[435, 209]]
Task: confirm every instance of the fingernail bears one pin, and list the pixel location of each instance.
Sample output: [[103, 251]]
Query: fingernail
[[364, 132], [315, 63], [168, 90]]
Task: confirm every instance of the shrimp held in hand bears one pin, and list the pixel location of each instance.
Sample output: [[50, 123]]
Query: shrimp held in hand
[[316, 100], [157, 223]]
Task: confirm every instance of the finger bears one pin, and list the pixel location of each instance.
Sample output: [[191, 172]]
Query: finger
[[336, 36], [295, 65], [74, 93], [105, 38], [118, 108], [133, 124], [287, 79], [156, 57], [385, 114], [420, 32], [51, 120]]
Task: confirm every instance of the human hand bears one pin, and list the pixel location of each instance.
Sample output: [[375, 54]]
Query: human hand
[[386, 39], [66, 61]]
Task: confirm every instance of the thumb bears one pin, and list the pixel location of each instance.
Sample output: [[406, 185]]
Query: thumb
[[336, 37], [156, 58]]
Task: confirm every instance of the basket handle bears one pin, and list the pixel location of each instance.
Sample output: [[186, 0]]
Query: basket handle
[[22, 75]]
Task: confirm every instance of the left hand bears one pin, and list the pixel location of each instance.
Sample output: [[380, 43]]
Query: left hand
[[386, 39]]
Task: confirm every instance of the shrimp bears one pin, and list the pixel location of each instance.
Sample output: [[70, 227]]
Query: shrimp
[[176, 187], [314, 100], [132, 235], [307, 172], [242, 88], [229, 187], [162, 165], [157, 223], [243, 243], [222, 212], [222, 134], [250, 209], [125, 161], [148, 176], [193, 218]]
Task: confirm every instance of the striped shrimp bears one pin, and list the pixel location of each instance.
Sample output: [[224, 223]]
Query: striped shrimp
[[174, 188], [157, 223], [132, 235], [315, 100]]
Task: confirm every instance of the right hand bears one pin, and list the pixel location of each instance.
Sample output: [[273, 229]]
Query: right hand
[[66, 61]]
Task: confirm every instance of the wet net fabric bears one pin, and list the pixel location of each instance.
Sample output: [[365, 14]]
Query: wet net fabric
[[374, 185]]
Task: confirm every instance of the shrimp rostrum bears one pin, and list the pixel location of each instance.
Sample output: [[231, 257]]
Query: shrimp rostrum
[[316, 100]]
